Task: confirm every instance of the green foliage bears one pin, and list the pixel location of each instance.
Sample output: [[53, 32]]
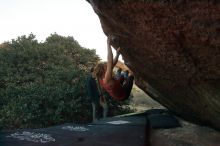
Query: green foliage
[[118, 107], [43, 84]]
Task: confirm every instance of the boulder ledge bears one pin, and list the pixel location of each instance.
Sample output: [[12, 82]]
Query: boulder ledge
[[173, 48]]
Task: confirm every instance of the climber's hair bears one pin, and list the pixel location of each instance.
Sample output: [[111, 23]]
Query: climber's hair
[[100, 70]]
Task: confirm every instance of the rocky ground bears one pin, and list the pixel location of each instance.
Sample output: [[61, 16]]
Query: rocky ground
[[187, 135], [141, 101]]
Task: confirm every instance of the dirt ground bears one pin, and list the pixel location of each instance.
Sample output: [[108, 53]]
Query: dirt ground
[[188, 135], [141, 101]]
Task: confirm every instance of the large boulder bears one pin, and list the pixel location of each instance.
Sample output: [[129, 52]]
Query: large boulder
[[173, 48]]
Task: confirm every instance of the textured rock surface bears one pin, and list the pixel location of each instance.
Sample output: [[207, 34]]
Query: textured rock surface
[[173, 48], [187, 135]]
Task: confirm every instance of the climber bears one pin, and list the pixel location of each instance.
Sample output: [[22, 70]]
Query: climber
[[104, 75]]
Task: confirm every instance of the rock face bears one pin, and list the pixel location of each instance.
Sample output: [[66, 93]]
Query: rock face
[[173, 48]]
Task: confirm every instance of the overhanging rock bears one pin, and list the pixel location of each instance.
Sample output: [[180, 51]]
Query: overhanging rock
[[173, 48]]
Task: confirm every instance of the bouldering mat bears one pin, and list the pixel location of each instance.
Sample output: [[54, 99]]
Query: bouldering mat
[[115, 131], [161, 119]]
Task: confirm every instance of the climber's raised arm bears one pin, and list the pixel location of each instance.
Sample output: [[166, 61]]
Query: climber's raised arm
[[109, 70]]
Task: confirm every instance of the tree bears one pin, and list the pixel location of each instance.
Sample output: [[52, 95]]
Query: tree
[[42, 84]]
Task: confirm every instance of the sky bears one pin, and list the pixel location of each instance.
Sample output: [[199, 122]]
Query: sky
[[43, 17]]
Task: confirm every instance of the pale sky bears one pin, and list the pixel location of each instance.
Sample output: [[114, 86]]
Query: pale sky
[[43, 17]]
